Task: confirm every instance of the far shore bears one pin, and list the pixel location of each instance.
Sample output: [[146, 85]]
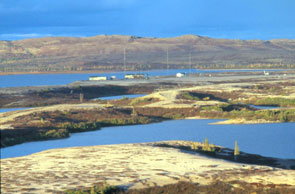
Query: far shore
[[52, 72], [105, 71]]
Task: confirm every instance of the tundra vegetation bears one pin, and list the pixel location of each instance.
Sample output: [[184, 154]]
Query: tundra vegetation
[[237, 150], [57, 124], [233, 187], [216, 103], [60, 124], [97, 189], [105, 54]]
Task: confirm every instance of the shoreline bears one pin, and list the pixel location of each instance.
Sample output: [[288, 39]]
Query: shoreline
[[106, 71], [242, 121], [53, 72]]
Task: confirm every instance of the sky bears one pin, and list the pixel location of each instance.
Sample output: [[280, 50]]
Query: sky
[[234, 19]]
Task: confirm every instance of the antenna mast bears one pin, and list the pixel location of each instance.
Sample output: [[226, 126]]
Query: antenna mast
[[124, 59], [190, 62], [167, 60]]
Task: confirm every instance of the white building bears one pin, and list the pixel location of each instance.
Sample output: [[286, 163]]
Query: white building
[[180, 74], [129, 76], [97, 78]]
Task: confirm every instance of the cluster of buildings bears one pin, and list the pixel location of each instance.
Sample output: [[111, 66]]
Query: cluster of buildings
[[127, 76]]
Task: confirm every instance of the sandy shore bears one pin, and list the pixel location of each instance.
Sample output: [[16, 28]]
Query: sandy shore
[[129, 165], [242, 121]]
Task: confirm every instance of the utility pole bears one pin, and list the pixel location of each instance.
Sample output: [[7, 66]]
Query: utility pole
[[167, 60], [124, 59], [190, 62]]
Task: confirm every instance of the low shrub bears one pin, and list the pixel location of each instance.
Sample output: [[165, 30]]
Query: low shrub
[[82, 126], [283, 102], [142, 101], [101, 189], [56, 133], [188, 96]]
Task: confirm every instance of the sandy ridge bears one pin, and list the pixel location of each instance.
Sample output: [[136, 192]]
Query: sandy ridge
[[128, 165]]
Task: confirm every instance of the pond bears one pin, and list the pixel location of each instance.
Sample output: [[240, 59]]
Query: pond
[[275, 140], [264, 107], [2, 110], [120, 97]]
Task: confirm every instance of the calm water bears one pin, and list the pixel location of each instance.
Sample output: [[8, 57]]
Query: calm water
[[264, 107], [276, 140], [63, 79], [2, 110], [121, 96]]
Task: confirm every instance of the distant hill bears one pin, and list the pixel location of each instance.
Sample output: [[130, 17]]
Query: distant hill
[[106, 53]]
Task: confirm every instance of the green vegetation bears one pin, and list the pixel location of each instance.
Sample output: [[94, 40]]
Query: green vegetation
[[81, 126], [56, 134], [174, 117], [282, 102], [217, 187], [194, 146], [60, 124], [126, 121], [142, 101], [134, 113], [237, 150], [219, 107], [206, 147], [228, 111], [188, 96], [12, 137], [199, 96], [100, 189]]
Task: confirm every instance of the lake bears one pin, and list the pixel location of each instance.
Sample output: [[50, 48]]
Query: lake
[[63, 79], [264, 107], [120, 97], [275, 140], [2, 110]]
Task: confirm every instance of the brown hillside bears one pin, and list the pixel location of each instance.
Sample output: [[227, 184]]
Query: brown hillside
[[106, 53]]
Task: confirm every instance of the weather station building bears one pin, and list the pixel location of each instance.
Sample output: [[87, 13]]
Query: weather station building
[[180, 75], [98, 78], [136, 76], [129, 76]]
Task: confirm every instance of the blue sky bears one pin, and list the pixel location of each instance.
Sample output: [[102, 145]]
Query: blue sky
[[237, 19]]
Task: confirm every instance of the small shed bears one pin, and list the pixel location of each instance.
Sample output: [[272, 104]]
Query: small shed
[[180, 74], [112, 77], [141, 76], [97, 78], [129, 76]]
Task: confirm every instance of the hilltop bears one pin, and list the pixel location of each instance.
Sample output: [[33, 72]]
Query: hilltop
[[105, 52]]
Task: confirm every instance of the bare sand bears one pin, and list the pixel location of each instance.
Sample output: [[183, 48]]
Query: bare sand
[[243, 121], [128, 165]]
